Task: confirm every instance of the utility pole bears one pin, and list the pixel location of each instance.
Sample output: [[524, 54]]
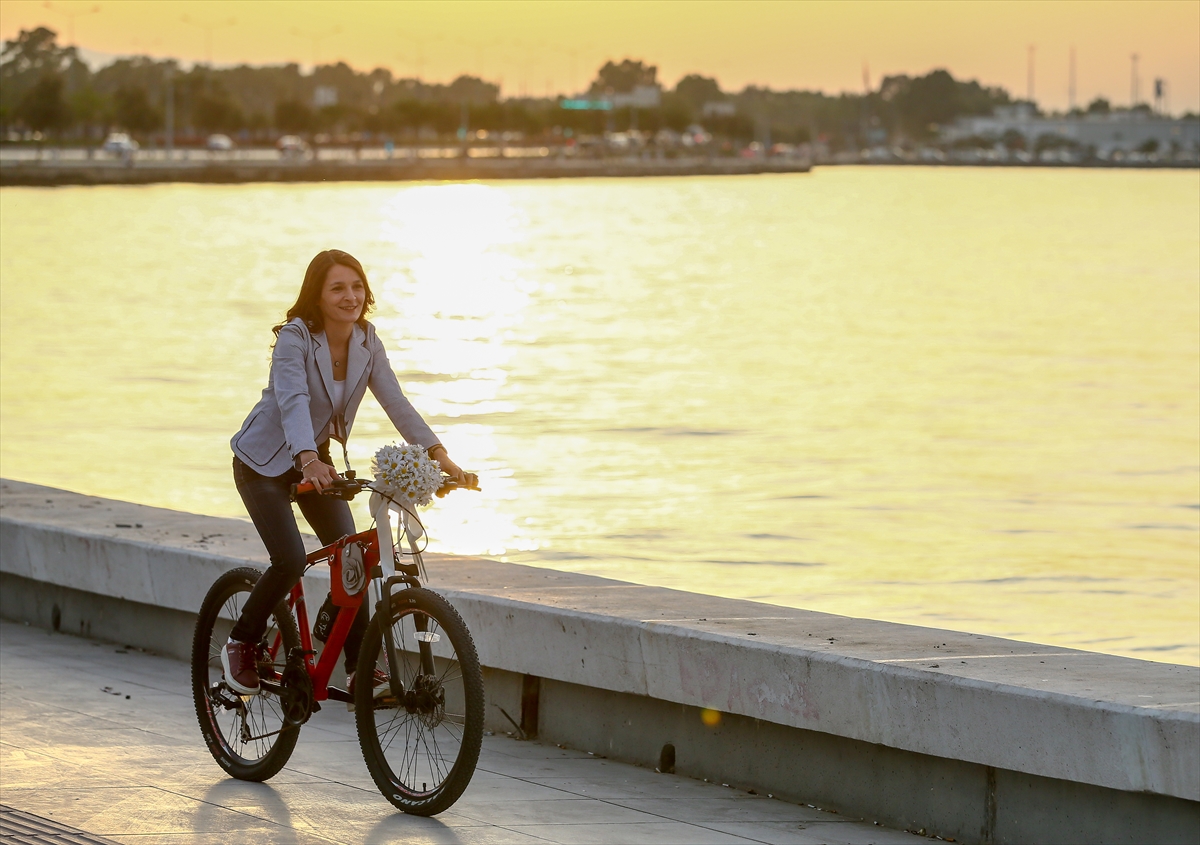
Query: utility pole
[[1071, 83], [1133, 81]]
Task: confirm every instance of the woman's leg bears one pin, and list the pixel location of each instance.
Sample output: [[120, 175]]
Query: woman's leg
[[331, 519], [266, 500]]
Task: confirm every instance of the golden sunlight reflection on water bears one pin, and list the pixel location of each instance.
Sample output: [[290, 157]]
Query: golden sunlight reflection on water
[[965, 398]]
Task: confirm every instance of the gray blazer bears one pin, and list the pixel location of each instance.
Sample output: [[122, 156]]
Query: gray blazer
[[296, 409]]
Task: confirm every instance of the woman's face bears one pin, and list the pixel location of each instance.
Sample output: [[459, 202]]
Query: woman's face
[[343, 296]]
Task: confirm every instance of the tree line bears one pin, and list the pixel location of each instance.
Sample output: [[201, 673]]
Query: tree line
[[47, 89]]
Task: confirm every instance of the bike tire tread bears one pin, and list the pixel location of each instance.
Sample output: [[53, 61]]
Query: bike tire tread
[[275, 759], [436, 606]]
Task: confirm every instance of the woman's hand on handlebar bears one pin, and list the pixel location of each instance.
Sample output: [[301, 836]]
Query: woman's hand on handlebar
[[463, 479], [318, 473], [451, 469]]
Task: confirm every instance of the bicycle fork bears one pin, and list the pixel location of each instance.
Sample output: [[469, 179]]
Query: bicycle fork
[[381, 596]]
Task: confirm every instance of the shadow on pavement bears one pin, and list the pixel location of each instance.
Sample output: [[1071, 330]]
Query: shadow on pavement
[[400, 827], [257, 800]]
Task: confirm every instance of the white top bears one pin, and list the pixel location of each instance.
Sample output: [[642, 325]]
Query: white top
[[338, 395], [292, 406]]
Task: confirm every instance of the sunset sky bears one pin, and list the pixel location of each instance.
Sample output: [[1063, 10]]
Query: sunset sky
[[551, 47]]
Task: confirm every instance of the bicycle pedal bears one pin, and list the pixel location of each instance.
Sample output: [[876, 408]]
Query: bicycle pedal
[[338, 694]]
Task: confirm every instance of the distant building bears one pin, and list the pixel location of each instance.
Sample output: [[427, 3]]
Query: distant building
[[719, 108], [1105, 133], [324, 95], [641, 97]]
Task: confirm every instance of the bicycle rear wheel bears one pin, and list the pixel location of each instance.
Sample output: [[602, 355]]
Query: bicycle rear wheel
[[247, 734], [421, 750]]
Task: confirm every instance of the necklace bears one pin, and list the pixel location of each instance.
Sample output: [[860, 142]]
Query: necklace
[[337, 363]]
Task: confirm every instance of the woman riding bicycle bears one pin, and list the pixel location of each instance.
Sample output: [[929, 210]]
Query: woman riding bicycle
[[325, 357]]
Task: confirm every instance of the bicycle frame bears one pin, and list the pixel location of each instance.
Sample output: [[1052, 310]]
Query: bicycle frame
[[382, 574], [419, 706]]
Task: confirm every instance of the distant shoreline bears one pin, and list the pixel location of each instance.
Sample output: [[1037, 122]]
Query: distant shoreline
[[1095, 164], [50, 173]]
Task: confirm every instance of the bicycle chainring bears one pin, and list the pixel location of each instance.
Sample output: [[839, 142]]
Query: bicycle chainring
[[296, 697]]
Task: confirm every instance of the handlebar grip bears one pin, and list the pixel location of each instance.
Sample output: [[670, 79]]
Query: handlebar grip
[[304, 487], [340, 488], [450, 484]]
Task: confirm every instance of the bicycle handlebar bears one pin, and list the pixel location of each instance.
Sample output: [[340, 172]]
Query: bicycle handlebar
[[348, 488]]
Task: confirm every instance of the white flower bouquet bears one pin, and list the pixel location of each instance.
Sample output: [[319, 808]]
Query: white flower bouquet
[[406, 473]]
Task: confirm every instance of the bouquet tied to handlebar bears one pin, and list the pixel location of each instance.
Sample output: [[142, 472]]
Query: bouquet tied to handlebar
[[405, 474]]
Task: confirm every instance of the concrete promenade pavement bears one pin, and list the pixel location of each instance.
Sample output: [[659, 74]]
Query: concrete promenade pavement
[[103, 740]]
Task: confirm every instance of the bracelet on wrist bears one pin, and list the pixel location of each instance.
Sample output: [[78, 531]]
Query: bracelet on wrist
[[305, 465]]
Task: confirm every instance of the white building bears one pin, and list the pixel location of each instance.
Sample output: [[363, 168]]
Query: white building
[[641, 97], [325, 95], [719, 108], [1106, 133]]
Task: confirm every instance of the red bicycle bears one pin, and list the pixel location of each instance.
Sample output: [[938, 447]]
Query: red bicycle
[[418, 695]]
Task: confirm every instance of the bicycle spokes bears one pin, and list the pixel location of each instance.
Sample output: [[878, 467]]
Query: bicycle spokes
[[421, 735], [250, 736]]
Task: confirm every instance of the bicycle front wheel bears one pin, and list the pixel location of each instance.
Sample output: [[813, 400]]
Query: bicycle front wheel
[[421, 749], [248, 735]]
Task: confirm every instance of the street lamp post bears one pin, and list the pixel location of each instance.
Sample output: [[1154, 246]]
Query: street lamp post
[[526, 61], [316, 40], [208, 28], [480, 48], [170, 140], [71, 16], [1134, 93], [573, 52]]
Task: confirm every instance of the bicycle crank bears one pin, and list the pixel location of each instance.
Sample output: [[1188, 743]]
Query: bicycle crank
[[296, 697]]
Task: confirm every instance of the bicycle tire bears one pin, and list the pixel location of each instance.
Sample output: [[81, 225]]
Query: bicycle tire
[[438, 745], [259, 714]]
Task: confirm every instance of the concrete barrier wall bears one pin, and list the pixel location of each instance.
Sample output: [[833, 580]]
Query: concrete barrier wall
[[979, 738]]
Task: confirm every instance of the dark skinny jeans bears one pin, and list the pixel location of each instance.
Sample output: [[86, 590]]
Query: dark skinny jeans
[[266, 500]]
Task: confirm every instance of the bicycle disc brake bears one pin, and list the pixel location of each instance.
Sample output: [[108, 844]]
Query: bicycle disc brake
[[427, 699]]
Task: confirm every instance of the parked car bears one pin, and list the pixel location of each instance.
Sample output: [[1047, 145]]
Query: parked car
[[221, 143], [291, 145], [120, 143]]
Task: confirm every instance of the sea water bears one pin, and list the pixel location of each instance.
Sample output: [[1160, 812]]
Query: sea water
[[957, 397]]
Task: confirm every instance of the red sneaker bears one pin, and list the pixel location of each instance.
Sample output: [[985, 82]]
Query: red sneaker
[[240, 661]]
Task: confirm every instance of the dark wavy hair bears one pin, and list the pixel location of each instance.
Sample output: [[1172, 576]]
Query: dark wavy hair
[[308, 303]]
